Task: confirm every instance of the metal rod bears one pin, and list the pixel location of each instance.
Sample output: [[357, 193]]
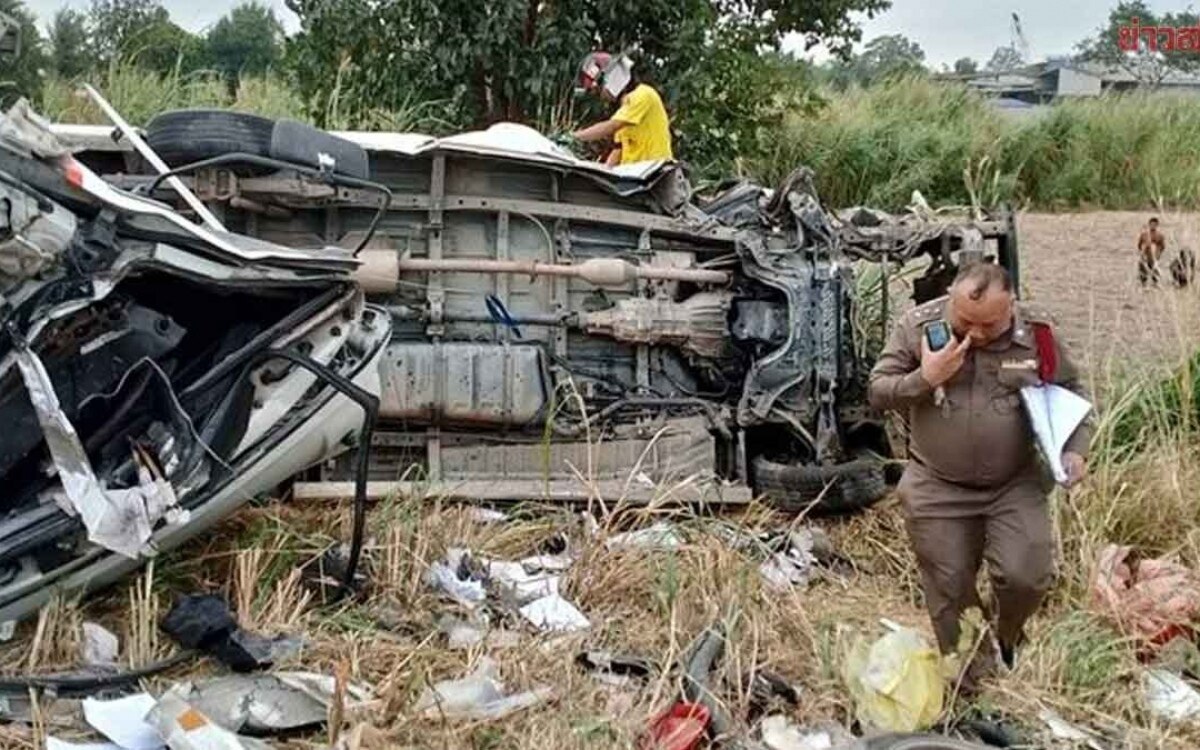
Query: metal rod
[[159, 165], [601, 271]]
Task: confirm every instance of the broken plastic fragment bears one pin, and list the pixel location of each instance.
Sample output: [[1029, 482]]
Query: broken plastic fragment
[[123, 721], [554, 613], [187, 728], [480, 695], [445, 576], [660, 536], [780, 733], [100, 647], [1170, 697]]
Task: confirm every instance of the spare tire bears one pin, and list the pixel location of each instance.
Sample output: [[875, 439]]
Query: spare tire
[[184, 136], [835, 489]]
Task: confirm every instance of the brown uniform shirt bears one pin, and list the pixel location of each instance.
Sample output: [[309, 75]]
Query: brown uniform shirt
[[983, 438]]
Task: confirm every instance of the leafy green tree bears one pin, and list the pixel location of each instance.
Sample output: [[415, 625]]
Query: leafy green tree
[[248, 40], [142, 31], [518, 59], [891, 55], [70, 44], [965, 66], [22, 75], [1148, 62]]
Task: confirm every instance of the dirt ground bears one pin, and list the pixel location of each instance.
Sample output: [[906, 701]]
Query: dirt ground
[[1083, 269]]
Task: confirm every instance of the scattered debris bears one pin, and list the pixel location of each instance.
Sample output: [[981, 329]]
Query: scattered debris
[[698, 665], [780, 733], [123, 721], [784, 570], [184, 727], [518, 585], [1170, 697], [681, 727], [454, 577], [1152, 599], [554, 613], [478, 696], [1060, 729], [487, 515], [895, 682], [100, 647], [461, 634], [766, 690], [267, 703], [53, 743], [203, 622], [615, 670], [659, 536]]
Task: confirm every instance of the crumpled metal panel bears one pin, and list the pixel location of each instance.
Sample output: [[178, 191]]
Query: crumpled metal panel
[[34, 237], [457, 382], [119, 520]]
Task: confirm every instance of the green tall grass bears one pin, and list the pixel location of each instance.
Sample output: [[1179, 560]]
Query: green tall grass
[[877, 145]]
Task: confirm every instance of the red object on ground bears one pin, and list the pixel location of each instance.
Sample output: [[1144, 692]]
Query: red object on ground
[[680, 728]]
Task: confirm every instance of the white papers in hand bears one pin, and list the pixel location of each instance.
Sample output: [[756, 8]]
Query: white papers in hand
[[1054, 413]]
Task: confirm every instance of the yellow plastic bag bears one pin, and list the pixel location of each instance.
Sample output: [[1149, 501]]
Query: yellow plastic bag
[[896, 682]]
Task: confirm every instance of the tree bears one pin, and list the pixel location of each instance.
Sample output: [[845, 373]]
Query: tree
[[1005, 60], [891, 55], [70, 46], [248, 40], [142, 31], [518, 59], [1135, 39], [22, 76], [965, 66]]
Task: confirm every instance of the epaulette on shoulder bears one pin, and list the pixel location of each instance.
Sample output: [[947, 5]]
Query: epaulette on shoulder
[[1034, 314], [931, 310]]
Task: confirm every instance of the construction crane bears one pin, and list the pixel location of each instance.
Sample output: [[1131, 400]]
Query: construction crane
[[1019, 43]]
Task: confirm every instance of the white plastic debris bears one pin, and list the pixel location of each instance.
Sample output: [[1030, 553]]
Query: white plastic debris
[[660, 536], [547, 563], [187, 728], [123, 721], [461, 634], [555, 614], [1060, 729], [100, 647], [477, 696], [53, 743], [487, 515], [1169, 697], [521, 586], [444, 576], [780, 733], [8, 629], [784, 571]]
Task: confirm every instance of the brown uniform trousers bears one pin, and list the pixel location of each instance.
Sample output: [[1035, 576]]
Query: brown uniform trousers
[[974, 487]]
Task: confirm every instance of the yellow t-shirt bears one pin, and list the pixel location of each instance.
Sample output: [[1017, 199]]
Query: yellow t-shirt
[[647, 134]]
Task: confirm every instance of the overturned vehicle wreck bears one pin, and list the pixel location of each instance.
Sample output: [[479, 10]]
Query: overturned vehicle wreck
[[496, 318]]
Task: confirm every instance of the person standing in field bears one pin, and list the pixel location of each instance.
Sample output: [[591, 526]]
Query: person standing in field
[[1151, 244], [640, 129], [974, 488]]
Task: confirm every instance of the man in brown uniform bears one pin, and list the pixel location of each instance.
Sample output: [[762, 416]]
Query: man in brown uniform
[[1151, 244], [974, 488]]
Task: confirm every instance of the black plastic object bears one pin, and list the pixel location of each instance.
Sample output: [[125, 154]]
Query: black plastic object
[[296, 142], [204, 622]]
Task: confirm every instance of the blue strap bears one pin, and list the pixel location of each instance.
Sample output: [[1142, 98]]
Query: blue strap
[[499, 313]]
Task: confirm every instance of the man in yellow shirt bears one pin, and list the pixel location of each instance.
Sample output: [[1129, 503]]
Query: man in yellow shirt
[[640, 127]]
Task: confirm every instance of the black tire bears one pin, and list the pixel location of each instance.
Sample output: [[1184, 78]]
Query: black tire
[[842, 488], [298, 143], [184, 136]]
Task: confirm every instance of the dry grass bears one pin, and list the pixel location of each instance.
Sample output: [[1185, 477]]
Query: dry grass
[[654, 604]]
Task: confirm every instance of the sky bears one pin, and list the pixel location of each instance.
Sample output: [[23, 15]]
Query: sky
[[945, 29]]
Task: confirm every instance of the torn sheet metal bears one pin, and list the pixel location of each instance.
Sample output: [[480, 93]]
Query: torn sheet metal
[[119, 520], [123, 721]]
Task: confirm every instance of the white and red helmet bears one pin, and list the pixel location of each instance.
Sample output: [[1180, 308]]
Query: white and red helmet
[[604, 70]]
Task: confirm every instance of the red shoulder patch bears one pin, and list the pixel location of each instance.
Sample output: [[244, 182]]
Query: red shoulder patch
[[1047, 352]]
